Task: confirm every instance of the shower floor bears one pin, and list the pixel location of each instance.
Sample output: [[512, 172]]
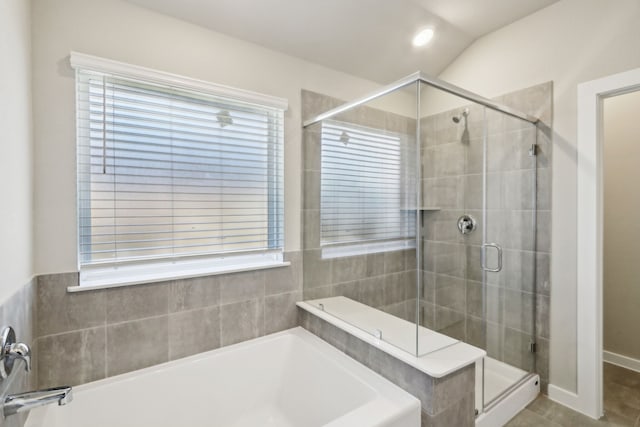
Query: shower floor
[[498, 378]]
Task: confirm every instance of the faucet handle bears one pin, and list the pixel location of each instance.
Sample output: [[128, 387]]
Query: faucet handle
[[10, 350], [19, 350]]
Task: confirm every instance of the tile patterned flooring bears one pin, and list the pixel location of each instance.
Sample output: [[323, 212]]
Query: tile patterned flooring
[[621, 405]]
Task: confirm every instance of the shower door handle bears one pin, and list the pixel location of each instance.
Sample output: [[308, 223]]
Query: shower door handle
[[483, 261]]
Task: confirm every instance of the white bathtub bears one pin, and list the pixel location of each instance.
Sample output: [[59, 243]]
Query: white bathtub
[[291, 378]]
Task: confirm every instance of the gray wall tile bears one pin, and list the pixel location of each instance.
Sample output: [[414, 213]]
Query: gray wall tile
[[372, 291], [137, 344], [188, 294], [445, 193], [447, 390], [428, 286], [516, 349], [311, 228], [542, 316], [194, 331], [446, 318], [311, 150], [280, 311], [375, 264], [394, 262], [317, 271], [444, 160], [543, 236], [62, 311], [350, 290], [518, 190], [461, 413], [313, 103], [451, 292], [395, 290], [450, 259], [137, 302], [519, 310], [542, 358], [352, 268], [446, 130], [317, 293], [72, 358], [241, 286], [428, 315], [544, 189], [519, 270], [311, 194], [285, 279], [536, 100], [475, 156], [241, 321], [399, 124], [441, 226]]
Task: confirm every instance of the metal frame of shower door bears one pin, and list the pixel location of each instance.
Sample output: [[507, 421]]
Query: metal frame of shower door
[[431, 81], [487, 406], [418, 216]]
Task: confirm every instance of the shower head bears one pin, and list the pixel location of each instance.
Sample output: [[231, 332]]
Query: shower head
[[456, 119]]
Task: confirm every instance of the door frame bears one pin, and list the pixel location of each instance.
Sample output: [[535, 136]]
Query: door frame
[[589, 398]]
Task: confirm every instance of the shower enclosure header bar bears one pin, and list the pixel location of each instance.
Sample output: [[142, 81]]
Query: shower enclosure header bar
[[432, 81]]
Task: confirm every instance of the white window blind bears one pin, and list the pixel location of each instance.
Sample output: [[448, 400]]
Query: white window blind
[[365, 186], [165, 173]]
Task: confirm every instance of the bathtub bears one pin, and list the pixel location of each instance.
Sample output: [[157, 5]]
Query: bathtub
[[290, 378]]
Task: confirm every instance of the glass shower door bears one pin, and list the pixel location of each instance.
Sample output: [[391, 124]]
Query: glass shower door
[[507, 252]]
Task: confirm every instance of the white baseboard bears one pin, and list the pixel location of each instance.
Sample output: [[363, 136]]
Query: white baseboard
[[620, 360], [564, 397], [571, 400]]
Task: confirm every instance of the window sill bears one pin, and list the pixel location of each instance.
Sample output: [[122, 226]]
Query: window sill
[[104, 278], [355, 249]]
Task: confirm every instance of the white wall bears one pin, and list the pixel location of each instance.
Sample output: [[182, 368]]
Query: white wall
[[621, 290], [569, 42], [16, 148], [124, 32]]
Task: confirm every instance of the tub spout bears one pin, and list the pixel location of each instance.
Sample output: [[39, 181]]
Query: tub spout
[[22, 402]]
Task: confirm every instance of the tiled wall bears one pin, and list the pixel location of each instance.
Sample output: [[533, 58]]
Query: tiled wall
[[452, 157], [383, 280], [89, 335]]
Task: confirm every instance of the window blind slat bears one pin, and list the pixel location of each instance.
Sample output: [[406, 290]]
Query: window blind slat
[[166, 172]]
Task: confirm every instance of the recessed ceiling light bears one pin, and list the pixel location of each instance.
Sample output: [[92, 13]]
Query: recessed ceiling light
[[423, 37]]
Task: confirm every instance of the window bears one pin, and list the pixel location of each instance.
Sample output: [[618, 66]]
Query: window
[[171, 180], [365, 189]]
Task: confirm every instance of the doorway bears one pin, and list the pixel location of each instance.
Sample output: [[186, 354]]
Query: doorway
[[620, 256], [588, 398]]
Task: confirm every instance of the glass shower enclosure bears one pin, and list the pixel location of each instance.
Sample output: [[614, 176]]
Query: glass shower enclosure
[[419, 222]]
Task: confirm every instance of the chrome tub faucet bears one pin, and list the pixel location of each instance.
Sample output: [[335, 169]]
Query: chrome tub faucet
[[21, 402], [10, 352]]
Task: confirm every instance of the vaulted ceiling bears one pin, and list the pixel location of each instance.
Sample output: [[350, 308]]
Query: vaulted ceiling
[[366, 38]]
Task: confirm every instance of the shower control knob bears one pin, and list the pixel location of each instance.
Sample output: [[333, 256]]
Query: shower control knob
[[466, 224]]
